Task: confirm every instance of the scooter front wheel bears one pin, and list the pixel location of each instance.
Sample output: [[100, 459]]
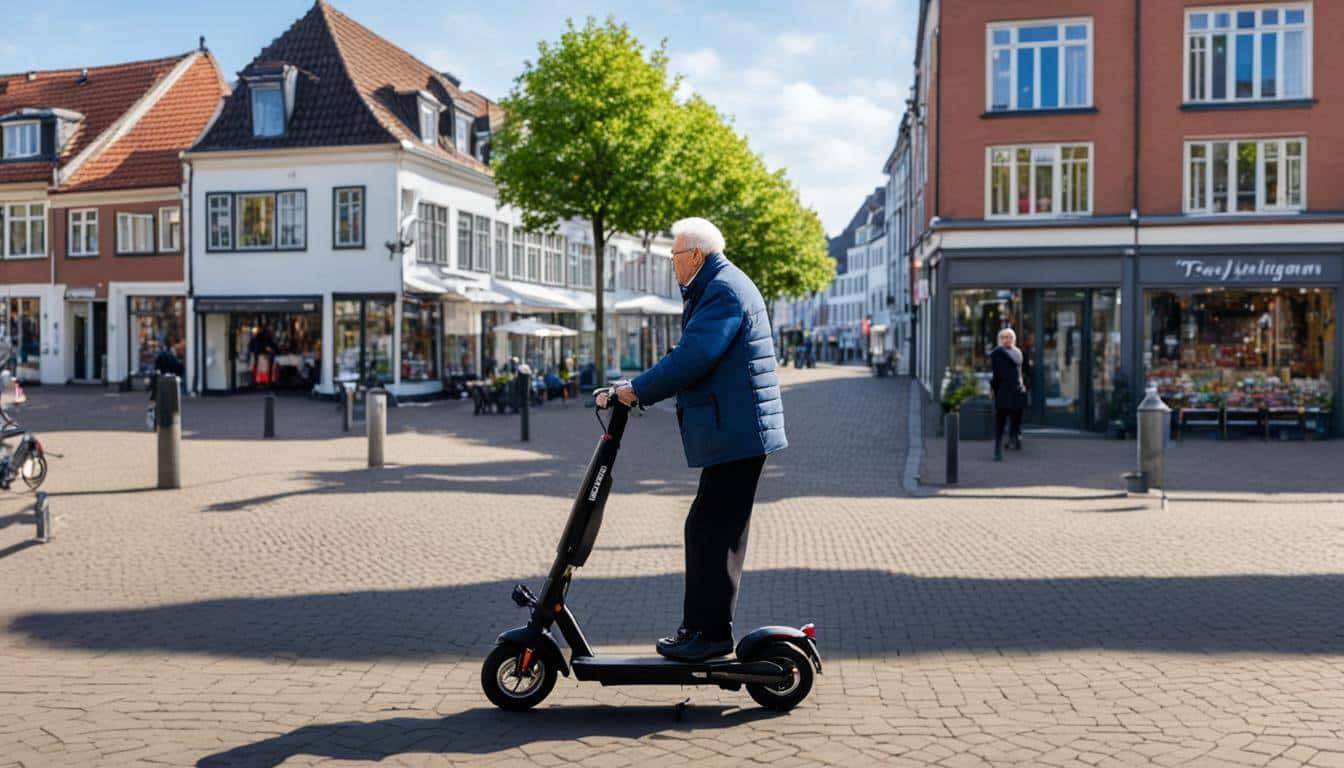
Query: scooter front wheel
[[34, 471], [510, 687], [790, 693]]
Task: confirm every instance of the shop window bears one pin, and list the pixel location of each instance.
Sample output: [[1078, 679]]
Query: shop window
[[419, 329], [155, 322], [1243, 54], [362, 331], [1269, 348], [977, 318], [277, 349], [21, 326]]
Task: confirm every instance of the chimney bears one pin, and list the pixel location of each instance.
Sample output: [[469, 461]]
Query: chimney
[[32, 76], [201, 45], [454, 79]]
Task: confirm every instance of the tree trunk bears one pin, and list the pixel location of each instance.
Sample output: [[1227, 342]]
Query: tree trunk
[[599, 294]]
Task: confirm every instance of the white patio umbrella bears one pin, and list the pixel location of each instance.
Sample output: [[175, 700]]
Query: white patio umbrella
[[531, 326]]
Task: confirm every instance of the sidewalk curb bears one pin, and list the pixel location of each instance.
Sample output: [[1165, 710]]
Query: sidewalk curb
[[914, 451]]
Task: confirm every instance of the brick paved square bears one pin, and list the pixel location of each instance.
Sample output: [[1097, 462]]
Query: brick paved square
[[289, 606]]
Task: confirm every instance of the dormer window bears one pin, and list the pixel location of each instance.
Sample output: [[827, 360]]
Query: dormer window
[[268, 110], [272, 89], [461, 135], [22, 140], [429, 122]]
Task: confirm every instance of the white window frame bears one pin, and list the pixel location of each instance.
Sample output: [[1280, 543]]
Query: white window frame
[[20, 127], [481, 250], [7, 220], [257, 88], [170, 229], [1056, 188], [1207, 34], [226, 214], [127, 244], [429, 122], [78, 222], [298, 205], [1013, 47], [501, 249], [461, 139], [433, 230], [350, 208], [1262, 206]]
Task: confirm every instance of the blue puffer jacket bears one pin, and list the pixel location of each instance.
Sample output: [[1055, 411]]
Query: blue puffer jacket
[[722, 371]]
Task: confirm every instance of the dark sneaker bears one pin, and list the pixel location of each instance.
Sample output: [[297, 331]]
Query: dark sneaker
[[691, 645]]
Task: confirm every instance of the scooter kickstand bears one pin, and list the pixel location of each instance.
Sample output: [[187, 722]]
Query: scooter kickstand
[[680, 710]]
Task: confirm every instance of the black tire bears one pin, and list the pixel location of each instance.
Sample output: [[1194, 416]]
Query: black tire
[[786, 696], [497, 670], [34, 471]]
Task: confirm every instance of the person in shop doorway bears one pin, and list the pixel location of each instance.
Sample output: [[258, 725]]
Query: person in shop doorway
[[1010, 391]]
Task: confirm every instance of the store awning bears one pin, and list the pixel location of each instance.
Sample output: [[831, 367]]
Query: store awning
[[647, 305], [531, 326], [452, 288], [537, 297]]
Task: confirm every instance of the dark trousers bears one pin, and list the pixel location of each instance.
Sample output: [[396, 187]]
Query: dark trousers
[[716, 545], [1010, 417]]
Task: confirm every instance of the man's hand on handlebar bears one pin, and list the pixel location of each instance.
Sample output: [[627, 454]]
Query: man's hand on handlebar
[[622, 390]]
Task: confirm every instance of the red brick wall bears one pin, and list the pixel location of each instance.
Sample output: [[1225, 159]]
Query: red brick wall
[[1166, 127], [966, 134], [109, 266]]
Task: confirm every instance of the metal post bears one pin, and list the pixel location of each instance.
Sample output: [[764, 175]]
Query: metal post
[[952, 433], [524, 392], [42, 513], [1154, 433], [168, 419], [375, 403], [348, 392], [268, 425]]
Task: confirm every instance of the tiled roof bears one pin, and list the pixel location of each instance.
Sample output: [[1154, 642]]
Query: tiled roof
[[352, 90], [147, 155], [102, 99]]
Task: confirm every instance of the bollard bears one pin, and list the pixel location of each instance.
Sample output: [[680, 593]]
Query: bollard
[[268, 422], [1154, 433], [524, 392], [348, 392], [375, 417], [168, 418], [42, 513], [952, 432]]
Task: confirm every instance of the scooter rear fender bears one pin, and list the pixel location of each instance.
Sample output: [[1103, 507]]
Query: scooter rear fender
[[757, 639], [539, 640]]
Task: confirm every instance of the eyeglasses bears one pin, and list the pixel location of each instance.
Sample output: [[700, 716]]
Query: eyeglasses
[[685, 250]]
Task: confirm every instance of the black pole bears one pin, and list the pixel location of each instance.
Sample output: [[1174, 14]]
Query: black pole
[[169, 421], [952, 432], [348, 397], [524, 392], [268, 426]]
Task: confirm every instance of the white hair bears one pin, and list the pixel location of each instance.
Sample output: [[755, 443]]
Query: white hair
[[699, 233], [1009, 332]]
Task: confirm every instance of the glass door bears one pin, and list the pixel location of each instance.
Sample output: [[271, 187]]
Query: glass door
[[1062, 359]]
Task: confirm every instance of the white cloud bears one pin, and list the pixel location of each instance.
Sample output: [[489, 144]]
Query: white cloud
[[797, 44], [699, 64]]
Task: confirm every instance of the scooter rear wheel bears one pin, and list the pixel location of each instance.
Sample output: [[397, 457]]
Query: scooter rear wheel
[[789, 694], [506, 688]]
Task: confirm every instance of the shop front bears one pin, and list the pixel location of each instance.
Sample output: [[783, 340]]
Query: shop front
[[1243, 344], [21, 324], [155, 323], [260, 343], [362, 328]]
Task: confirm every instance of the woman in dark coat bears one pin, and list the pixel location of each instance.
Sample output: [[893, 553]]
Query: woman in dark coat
[[1010, 392]]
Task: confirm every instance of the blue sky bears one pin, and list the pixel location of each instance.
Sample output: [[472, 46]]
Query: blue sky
[[817, 85]]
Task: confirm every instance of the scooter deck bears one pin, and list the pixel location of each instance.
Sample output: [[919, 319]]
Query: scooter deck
[[656, 670]]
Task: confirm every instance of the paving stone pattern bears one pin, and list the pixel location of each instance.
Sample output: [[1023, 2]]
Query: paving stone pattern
[[289, 606]]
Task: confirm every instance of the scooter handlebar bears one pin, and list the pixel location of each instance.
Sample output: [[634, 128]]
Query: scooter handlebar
[[612, 400]]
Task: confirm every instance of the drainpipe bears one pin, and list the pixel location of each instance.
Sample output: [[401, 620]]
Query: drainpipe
[[196, 329], [938, 124], [1136, 375]]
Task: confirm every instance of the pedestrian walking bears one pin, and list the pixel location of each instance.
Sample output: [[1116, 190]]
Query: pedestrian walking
[[1010, 392]]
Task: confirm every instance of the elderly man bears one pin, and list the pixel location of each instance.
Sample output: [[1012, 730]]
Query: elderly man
[[1010, 392], [723, 375]]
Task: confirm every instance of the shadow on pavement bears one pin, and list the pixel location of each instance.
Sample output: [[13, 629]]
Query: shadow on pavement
[[888, 614]]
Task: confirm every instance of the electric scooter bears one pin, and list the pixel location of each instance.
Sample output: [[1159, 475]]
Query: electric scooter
[[777, 664]]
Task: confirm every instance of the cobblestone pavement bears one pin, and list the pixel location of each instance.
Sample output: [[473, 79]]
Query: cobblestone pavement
[[291, 607]]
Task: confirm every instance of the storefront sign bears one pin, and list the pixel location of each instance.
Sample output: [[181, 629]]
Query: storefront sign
[[1242, 270]]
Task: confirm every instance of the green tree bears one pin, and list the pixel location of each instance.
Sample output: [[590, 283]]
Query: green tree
[[771, 235], [588, 136]]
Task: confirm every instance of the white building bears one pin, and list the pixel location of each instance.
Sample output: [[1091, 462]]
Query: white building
[[346, 227]]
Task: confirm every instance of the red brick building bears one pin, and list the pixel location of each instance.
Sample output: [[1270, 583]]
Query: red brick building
[[1146, 190], [92, 277]]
